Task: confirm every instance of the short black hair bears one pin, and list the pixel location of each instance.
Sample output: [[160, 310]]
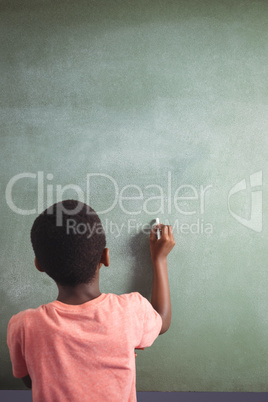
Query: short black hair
[[68, 240]]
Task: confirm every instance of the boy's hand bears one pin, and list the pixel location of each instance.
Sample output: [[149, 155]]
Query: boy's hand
[[162, 247]]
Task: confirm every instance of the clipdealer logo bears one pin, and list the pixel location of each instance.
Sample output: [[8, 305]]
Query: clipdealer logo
[[166, 200], [186, 201]]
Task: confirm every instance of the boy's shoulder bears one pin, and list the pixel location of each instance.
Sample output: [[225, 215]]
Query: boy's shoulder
[[22, 316], [133, 301], [128, 298]]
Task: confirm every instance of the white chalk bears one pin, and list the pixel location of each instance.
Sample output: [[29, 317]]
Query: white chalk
[[157, 230]]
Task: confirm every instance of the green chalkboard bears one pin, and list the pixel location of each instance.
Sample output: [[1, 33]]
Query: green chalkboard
[[164, 102]]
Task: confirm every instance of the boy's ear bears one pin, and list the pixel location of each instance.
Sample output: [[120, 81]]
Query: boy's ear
[[37, 265], [105, 257]]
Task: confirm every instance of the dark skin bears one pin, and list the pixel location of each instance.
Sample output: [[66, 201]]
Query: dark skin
[[160, 249], [160, 299]]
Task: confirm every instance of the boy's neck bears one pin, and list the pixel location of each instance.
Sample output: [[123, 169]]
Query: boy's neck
[[80, 294]]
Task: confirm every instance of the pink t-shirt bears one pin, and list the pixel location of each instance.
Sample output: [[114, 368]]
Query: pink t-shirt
[[82, 352]]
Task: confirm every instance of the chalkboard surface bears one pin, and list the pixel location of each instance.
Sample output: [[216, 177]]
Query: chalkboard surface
[[146, 109]]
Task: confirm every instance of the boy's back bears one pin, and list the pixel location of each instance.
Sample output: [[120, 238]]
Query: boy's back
[[83, 352], [80, 347]]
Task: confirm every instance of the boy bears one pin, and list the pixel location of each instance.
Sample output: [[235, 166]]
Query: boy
[[80, 347]]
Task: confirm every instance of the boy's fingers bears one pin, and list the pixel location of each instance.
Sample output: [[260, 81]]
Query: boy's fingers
[[155, 227], [170, 231], [164, 231], [153, 233], [171, 237], [167, 232]]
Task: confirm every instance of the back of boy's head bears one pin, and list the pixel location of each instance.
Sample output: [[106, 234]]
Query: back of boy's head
[[68, 240]]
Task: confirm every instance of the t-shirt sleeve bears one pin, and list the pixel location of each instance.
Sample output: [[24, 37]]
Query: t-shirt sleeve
[[151, 323], [15, 338]]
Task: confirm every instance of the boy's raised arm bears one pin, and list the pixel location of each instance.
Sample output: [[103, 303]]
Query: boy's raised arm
[[160, 249]]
